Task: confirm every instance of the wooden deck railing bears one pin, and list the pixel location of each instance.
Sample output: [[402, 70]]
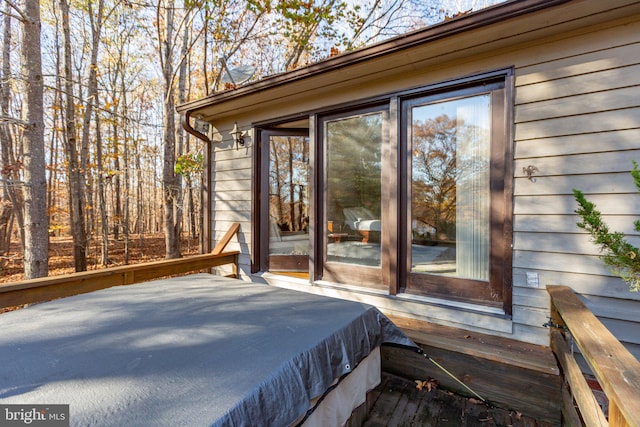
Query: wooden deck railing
[[617, 370], [48, 288]]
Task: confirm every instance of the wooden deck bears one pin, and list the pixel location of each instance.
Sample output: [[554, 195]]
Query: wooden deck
[[397, 402], [507, 373]]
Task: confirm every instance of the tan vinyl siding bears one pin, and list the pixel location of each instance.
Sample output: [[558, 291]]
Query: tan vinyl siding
[[231, 194], [577, 120], [592, 143]]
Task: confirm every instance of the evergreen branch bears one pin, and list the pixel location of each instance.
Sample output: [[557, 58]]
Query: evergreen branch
[[635, 173], [622, 258]]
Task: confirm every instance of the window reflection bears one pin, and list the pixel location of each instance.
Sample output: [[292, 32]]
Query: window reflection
[[450, 188], [354, 165], [288, 195]]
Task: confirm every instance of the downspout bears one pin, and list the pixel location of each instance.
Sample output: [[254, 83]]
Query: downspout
[[186, 125], [206, 186]]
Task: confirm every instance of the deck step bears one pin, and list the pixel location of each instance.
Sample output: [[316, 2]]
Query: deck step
[[507, 373]]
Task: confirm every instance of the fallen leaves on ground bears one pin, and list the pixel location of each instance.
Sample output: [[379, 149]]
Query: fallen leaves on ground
[[142, 248], [429, 384]]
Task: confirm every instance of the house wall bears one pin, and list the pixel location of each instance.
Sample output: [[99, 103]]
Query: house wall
[[577, 121], [576, 118]]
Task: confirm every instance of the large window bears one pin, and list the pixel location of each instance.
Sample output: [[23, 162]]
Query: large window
[[353, 146], [450, 145], [353, 189], [456, 227], [411, 195]]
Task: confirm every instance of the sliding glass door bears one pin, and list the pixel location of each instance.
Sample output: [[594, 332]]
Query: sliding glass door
[[455, 161], [353, 205], [285, 208]]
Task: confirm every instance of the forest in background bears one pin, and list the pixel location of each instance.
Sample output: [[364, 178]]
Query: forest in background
[[91, 149]]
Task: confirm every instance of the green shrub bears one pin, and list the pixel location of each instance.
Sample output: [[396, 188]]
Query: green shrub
[[622, 258]]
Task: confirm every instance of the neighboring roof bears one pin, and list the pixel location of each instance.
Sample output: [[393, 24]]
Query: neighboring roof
[[496, 27]]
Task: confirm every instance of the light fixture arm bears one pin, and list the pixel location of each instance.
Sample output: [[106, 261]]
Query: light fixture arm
[[237, 135]]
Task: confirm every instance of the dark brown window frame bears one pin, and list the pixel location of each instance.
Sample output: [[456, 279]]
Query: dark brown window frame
[[260, 254], [496, 292], [371, 277], [394, 275]]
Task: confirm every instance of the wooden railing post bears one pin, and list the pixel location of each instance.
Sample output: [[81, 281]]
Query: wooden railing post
[[616, 419], [580, 391], [234, 269], [615, 368]]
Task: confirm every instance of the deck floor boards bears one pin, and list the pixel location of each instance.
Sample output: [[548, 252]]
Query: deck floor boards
[[397, 403]]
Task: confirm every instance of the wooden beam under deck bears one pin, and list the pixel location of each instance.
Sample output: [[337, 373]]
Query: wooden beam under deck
[[507, 373]]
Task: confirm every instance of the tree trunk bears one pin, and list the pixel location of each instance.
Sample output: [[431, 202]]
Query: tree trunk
[[140, 225], [10, 167], [201, 224], [6, 218], [140, 221], [205, 51], [184, 90], [75, 174], [92, 95], [125, 160], [181, 135], [117, 205], [171, 188], [104, 258], [36, 253], [53, 172], [54, 150]]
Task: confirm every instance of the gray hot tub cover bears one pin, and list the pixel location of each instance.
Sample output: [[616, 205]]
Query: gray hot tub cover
[[195, 350]]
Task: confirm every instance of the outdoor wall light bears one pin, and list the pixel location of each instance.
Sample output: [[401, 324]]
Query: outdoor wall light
[[237, 135]]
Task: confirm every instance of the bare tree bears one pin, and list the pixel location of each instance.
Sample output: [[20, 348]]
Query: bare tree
[[76, 177], [106, 102], [303, 22], [36, 250], [104, 252], [10, 165], [170, 180], [96, 18], [182, 137], [125, 161]]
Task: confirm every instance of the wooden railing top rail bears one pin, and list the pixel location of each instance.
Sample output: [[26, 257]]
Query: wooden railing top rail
[[615, 368], [48, 288]]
